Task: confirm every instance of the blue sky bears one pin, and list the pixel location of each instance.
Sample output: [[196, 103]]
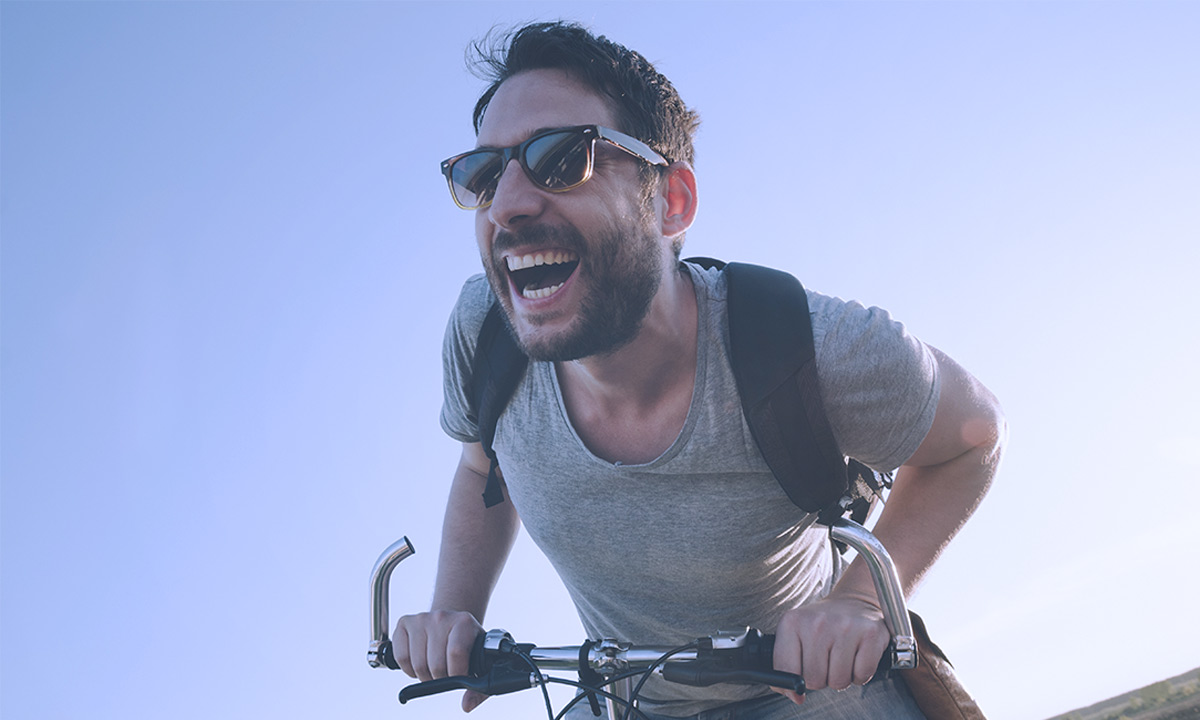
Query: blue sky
[[228, 258]]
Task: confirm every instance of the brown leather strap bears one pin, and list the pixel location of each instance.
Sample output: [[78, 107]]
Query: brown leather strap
[[933, 683]]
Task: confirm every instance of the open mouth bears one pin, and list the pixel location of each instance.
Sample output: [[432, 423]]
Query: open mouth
[[541, 274]]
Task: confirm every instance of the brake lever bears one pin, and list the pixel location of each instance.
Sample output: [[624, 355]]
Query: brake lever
[[500, 680]]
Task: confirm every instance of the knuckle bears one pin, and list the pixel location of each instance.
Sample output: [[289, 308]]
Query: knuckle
[[421, 669], [458, 659], [438, 670], [400, 652], [412, 623], [791, 622], [449, 619], [882, 636]]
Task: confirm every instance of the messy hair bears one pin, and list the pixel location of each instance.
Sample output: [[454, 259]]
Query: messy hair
[[644, 101]]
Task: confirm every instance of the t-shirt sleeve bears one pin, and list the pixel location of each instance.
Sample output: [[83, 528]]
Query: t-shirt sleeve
[[879, 384], [459, 418]]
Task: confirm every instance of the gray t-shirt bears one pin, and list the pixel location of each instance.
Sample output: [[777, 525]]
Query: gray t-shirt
[[701, 538]]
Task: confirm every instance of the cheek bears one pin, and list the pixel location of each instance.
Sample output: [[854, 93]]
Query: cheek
[[483, 233]]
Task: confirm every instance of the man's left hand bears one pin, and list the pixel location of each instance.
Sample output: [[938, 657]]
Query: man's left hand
[[833, 642]]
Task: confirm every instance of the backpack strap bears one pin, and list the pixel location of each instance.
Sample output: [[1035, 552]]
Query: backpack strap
[[496, 370], [774, 362]]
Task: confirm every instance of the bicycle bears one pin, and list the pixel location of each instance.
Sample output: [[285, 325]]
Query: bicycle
[[500, 665]]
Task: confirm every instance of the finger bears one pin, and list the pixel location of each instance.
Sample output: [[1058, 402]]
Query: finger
[[790, 695], [787, 656], [870, 653], [400, 649], [458, 649], [841, 664], [472, 700], [436, 651], [418, 652], [815, 659]]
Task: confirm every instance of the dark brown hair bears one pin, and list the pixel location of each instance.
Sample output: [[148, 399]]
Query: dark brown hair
[[645, 103]]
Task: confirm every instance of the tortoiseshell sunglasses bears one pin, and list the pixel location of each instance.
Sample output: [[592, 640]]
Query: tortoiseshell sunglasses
[[555, 160]]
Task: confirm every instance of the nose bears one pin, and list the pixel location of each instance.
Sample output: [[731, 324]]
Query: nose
[[516, 199]]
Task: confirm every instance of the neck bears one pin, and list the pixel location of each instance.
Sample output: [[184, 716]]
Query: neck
[[656, 364]]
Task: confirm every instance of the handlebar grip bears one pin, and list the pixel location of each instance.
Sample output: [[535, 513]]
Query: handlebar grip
[[773, 678], [701, 675], [386, 656]]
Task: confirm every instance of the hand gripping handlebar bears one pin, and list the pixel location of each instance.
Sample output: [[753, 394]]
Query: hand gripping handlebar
[[887, 588], [883, 573]]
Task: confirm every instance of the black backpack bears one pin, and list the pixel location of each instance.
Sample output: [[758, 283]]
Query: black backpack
[[774, 362]]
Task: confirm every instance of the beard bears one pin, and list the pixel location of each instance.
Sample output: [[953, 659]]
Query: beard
[[620, 269]]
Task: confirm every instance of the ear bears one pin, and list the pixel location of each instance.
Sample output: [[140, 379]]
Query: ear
[[681, 199]]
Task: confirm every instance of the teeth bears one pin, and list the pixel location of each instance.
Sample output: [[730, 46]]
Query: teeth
[[549, 257], [540, 292]]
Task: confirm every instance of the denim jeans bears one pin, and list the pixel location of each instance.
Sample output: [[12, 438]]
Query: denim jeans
[[880, 699]]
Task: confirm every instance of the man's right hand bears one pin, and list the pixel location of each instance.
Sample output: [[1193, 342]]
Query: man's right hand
[[475, 543], [437, 644]]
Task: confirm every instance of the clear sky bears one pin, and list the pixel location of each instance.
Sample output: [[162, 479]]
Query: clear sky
[[228, 258]]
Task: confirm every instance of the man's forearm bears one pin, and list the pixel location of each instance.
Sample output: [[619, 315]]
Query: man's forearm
[[475, 542], [942, 483], [925, 510]]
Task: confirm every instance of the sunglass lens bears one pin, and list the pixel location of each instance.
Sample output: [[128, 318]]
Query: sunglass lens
[[558, 161], [475, 176]]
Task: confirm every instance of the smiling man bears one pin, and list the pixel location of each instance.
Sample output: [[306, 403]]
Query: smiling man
[[627, 421]]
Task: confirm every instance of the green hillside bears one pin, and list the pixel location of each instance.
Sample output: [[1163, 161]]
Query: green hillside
[[1177, 698]]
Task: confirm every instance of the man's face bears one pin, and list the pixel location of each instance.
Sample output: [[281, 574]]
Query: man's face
[[575, 272]]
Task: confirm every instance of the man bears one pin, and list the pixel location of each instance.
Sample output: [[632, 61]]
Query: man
[[627, 425]]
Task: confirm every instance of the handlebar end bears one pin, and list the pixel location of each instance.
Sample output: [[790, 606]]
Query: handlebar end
[[904, 652], [380, 655]]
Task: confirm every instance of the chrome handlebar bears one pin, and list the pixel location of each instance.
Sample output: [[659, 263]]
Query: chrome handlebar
[[887, 588], [380, 652], [883, 573]]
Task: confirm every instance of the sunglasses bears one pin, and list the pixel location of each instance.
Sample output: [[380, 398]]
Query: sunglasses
[[555, 160]]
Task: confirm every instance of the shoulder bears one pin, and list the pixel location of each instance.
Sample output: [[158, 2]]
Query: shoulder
[[473, 302], [847, 327], [836, 319], [458, 352], [466, 320], [879, 382]]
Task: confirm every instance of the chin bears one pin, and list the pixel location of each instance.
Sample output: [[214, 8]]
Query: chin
[[545, 346]]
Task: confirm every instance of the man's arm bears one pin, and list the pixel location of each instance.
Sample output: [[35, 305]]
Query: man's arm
[[839, 640], [475, 544]]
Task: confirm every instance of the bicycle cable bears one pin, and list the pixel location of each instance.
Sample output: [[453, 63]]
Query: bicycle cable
[[650, 670], [603, 693], [540, 679]]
